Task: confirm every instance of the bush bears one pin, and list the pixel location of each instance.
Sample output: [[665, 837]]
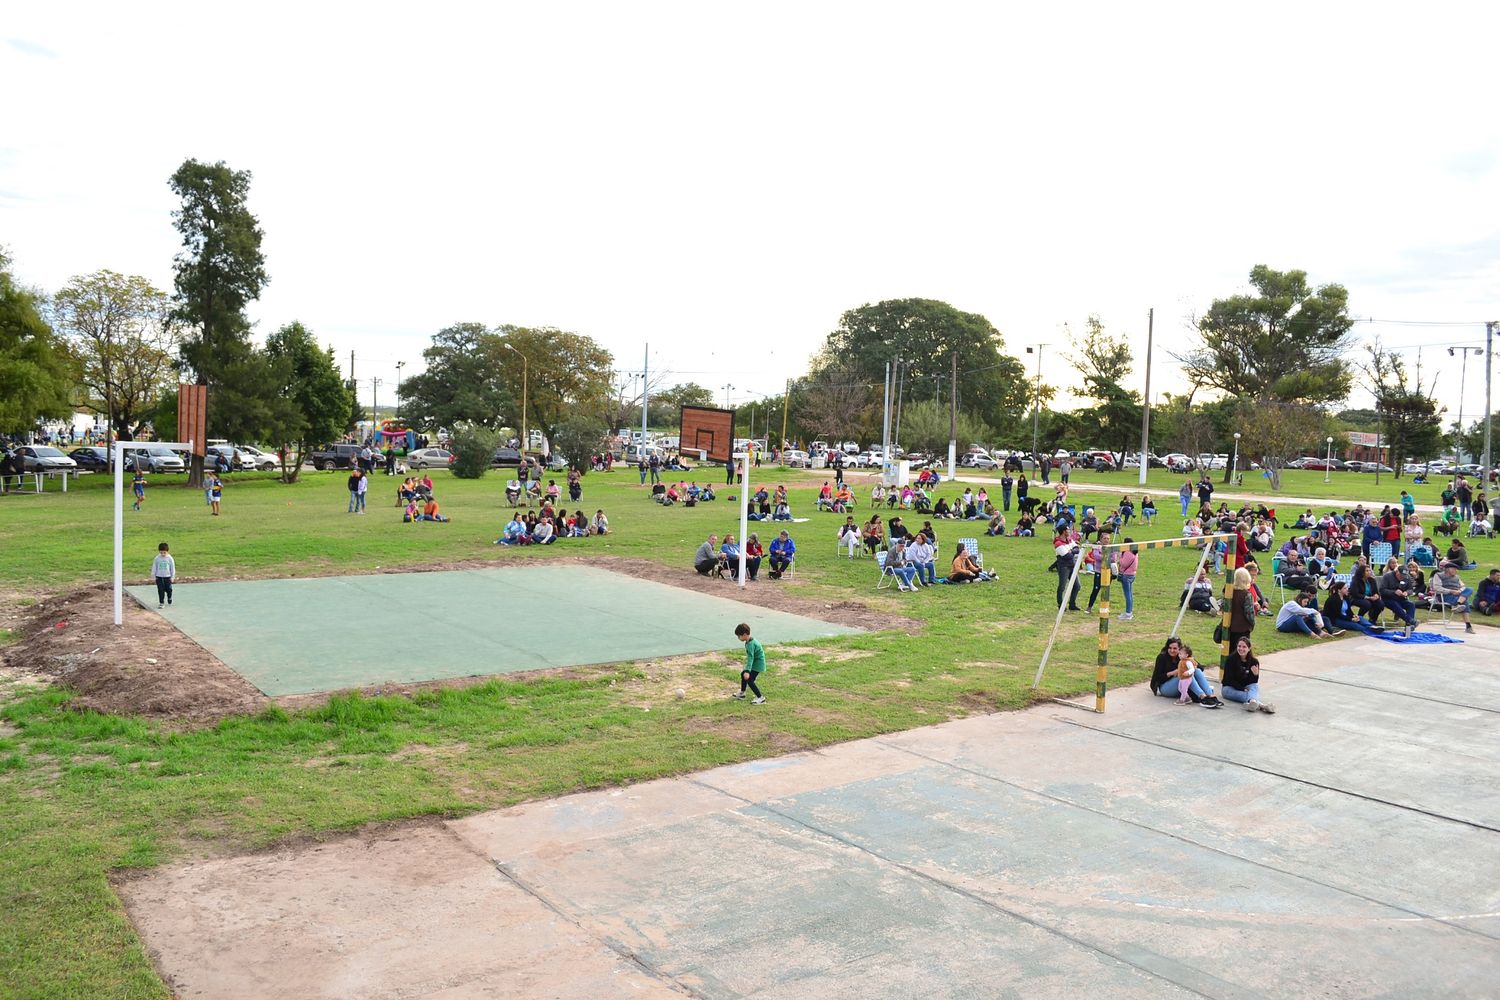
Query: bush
[[473, 449], [577, 438]]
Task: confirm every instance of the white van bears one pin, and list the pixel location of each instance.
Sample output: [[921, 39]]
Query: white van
[[635, 452]]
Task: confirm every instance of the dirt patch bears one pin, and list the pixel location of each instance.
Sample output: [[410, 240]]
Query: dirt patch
[[149, 668], [826, 655], [146, 667], [818, 715]]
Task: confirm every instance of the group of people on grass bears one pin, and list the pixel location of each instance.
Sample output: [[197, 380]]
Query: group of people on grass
[[722, 559], [1177, 675], [546, 526]]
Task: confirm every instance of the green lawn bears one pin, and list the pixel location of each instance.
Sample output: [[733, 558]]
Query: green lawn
[[84, 795]]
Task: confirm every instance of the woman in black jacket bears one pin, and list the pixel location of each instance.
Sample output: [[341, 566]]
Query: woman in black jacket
[[1242, 678], [1164, 681]]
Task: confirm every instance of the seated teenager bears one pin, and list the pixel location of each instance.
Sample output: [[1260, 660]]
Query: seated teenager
[[600, 525], [940, 509], [1339, 613], [1298, 615], [1148, 510], [430, 511], [545, 532], [996, 525], [874, 534], [1025, 526], [921, 553], [782, 512], [964, 569], [753, 555]]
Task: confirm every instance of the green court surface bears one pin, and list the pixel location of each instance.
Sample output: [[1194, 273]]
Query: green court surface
[[328, 633]]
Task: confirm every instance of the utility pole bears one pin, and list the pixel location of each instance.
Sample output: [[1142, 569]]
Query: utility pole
[[646, 392], [786, 401], [953, 421], [1146, 399], [900, 393], [399, 365], [374, 400], [885, 440], [1463, 375], [1489, 345], [1036, 410]]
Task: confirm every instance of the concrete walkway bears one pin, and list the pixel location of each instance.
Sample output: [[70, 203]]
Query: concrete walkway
[[1344, 847]]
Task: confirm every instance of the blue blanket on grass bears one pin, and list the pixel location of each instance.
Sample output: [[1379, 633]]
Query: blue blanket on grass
[[1421, 638]]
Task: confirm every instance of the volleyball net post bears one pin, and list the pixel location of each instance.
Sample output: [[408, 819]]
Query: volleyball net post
[[1206, 542]]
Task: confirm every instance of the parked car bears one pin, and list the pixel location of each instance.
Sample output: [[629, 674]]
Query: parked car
[[337, 456], [232, 456], [506, 456], [44, 458], [153, 458], [794, 459], [430, 458], [91, 457], [849, 448], [254, 458], [1316, 464], [978, 460], [1178, 462]]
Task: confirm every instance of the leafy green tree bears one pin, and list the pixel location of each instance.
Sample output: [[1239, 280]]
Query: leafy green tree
[[564, 374], [123, 339], [1286, 341], [666, 406], [1411, 420], [473, 449], [576, 437], [36, 373], [1104, 363], [219, 272], [465, 381], [925, 427], [833, 403], [1360, 419], [313, 387], [927, 336]]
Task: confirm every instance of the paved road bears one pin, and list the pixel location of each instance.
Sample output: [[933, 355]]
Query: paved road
[[1344, 847]]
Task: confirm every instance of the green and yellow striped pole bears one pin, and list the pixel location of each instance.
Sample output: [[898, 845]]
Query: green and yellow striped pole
[[1229, 558], [1101, 678]]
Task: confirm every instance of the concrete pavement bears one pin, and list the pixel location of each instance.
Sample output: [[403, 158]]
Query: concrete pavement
[[1344, 847]]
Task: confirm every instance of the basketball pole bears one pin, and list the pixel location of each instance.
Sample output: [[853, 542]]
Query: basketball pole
[[119, 456]]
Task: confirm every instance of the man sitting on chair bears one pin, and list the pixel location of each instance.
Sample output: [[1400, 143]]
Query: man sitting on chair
[[783, 551], [849, 537], [706, 559]]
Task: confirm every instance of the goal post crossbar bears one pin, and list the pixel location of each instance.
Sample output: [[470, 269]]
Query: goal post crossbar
[[117, 452], [1205, 542]]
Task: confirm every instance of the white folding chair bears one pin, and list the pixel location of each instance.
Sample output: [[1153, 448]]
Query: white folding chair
[[971, 545], [887, 574]]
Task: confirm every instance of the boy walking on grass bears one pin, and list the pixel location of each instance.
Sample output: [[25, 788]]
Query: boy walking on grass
[[755, 663], [164, 568]]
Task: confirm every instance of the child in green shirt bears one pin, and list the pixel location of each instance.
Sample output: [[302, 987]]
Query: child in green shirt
[[755, 662]]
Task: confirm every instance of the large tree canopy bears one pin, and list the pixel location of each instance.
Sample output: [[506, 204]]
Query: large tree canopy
[[1286, 341], [1411, 420], [926, 336], [122, 335], [36, 378], [464, 383], [219, 272], [1103, 363], [313, 387], [565, 374]]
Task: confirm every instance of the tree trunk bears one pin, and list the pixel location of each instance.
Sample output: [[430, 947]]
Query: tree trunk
[[195, 472]]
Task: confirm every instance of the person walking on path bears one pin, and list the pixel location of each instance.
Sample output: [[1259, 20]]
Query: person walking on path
[[755, 664], [1205, 489], [164, 569]]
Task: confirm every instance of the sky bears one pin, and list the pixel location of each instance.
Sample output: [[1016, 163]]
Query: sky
[[722, 181]]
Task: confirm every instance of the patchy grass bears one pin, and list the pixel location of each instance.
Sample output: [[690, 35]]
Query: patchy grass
[[83, 795]]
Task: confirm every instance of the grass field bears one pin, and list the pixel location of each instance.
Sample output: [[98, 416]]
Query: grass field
[[85, 796]]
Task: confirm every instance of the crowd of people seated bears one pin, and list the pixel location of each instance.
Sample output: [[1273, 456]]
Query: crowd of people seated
[[681, 492], [546, 526], [722, 559]]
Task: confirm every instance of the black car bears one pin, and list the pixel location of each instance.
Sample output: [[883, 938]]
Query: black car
[[506, 456], [91, 457]]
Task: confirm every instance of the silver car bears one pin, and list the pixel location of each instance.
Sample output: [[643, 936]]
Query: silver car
[[42, 458], [430, 458], [154, 458]]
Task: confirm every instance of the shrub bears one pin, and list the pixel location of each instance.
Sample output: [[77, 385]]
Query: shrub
[[473, 449], [576, 438]]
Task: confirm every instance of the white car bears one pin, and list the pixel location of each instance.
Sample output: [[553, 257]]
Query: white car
[[429, 458], [43, 458], [794, 459], [849, 448], [1178, 462], [262, 460]]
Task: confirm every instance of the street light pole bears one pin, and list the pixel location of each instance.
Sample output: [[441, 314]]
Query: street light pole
[[1328, 461], [399, 365], [1489, 344], [1234, 464], [525, 366], [1036, 408], [1146, 400]]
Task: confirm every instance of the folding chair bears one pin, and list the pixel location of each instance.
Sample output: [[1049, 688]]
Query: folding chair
[[1379, 553], [886, 574], [971, 545], [1445, 605]]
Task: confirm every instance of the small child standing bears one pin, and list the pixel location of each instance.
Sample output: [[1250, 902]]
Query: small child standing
[[138, 487], [216, 492], [755, 663], [164, 568], [1185, 670]]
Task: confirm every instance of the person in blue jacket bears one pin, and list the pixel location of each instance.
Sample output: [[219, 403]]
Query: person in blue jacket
[[783, 551]]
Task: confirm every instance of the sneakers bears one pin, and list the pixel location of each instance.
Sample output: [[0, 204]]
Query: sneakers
[[1127, 616], [738, 694], [160, 606], [1268, 708], [1252, 705], [758, 701], [1337, 631], [1469, 627], [1408, 632], [1211, 702]]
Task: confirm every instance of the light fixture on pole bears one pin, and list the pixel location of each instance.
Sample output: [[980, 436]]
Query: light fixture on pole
[[727, 390], [1036, 407], [525, 365], [1463, 374], [1328, 461], [1234, 463], [399, 365]]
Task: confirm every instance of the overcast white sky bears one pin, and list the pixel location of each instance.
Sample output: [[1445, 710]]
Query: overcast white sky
[[724, 180]]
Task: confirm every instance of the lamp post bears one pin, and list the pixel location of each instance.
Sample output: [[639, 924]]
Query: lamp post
[[1234, 463], [399, 365], [727, 390], [525, 365], [1328, 461], [1036, 407], [1463, 373]]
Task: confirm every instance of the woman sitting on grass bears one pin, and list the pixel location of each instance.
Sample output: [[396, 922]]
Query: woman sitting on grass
[[964, 569]]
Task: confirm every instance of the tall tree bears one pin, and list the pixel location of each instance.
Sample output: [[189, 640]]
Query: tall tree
[[666, 406], [564, 374], [122, 335], [219, 272], [625, 398], [925, 425], [313, 387], [36, 376], [1104, 362], [927, 336], [1411, 420], [1286, 341], [833, 403], [465, 382]]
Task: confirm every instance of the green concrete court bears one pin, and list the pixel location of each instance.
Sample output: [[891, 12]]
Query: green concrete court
[[329, 633]]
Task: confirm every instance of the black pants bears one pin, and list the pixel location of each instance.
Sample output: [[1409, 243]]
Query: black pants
[[1065, 570], [1094, 594], [747, 679], [163, 589], [779, 565]]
